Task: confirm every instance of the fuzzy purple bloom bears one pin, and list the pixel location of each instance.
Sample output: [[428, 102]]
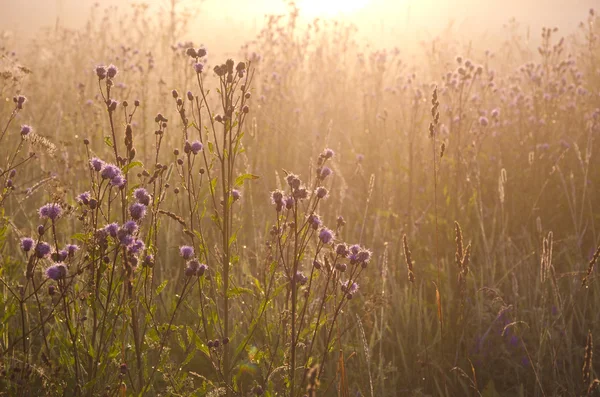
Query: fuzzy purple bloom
[[63, 255], [130, 227], [192, 267], [142, 196], [96, 163], [326, 236], [293, 181], [324, 172], [196, 147], [112, 71], [111, 229], [186, 252], [201, 269], [137, 211], [84, 198], [110, 171], [301, 278], [321, 192], [25, 129], [328, 153], [27, 244], [101, 72], [289, 202], [364, 256], [198, 67], [355, 248], [124, 238], [72, 248], [350, 290], [137, 247], [483, 121], [50, 211], [341, 249], [236, 195], [149, 260], [56, 272], [277, 197], [314, 221], [118, 181]]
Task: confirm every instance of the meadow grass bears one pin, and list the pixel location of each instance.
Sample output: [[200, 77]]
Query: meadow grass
[[319, 217]]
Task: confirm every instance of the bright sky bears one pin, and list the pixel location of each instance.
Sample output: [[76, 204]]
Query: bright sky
[[381, 20]]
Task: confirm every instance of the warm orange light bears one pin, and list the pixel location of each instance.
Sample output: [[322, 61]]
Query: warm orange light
[[328, 8]]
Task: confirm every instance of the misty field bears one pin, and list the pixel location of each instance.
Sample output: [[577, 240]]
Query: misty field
[[312, 216]]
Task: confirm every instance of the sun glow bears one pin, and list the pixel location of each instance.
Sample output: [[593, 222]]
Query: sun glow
[[327, 8]]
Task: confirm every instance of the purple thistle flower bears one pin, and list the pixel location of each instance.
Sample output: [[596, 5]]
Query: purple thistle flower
[[328, 153], [27, 244], [289, 202], [192, 267], [355, 248], [124, 238], [314, 220], [63, 255], [301, 278], [84, 198], [137, 211], [236, 194], [364, 255], [350, 290], [25, 129], [202, 269], [341, 249], [96, 163], [112, 71], [321, 192], [111, 229], [301, 193], [56, 272], [142, 196], [50, 211], [137, 247], [149, 260], [483, 121], [277, 197], [196, 147], [101, 72], [324, 172], [20, 101], [198, 67], [110, 171], [341, 267], [186, 252], [118, 181], [326, 236], [42, 249], [201, 52], [293, 181], [72, 248], [130, 227]]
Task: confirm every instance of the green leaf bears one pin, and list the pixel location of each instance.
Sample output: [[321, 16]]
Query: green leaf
[[233, 292], [79, 237], [131, 165], [161, 287], [108, 141], [239, 181]]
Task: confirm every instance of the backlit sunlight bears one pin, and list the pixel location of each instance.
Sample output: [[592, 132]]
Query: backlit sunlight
[[327, 8]]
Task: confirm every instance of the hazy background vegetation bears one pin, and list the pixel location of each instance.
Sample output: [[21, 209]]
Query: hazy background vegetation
[[512, 159]]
